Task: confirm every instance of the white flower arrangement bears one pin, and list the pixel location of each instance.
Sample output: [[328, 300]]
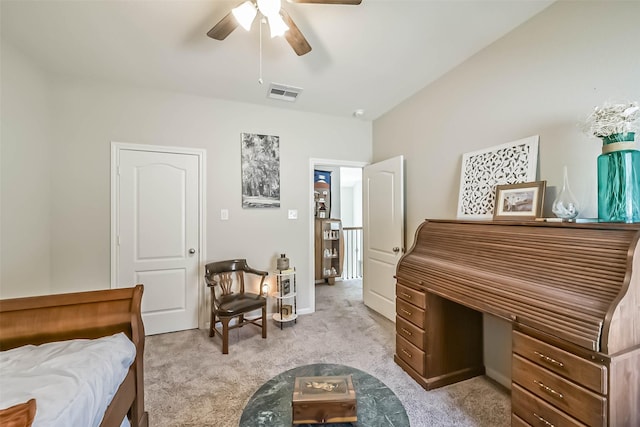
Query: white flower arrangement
[[611, 119]]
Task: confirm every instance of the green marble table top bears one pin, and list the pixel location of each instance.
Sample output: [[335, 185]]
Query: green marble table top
[[377, 405]]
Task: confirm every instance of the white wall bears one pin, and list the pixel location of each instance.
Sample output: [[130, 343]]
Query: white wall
[[357, 204], [351, 197], [346, 207], [88, 116], [25, 261], [56, 224], [541, 79]]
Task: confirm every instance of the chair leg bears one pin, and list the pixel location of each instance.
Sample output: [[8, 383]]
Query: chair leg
[[212, 327], [241, 321], [264, 321], [225, 334]]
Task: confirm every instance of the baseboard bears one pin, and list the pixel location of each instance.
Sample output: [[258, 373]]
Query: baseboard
[[441, 380], [498, 377]]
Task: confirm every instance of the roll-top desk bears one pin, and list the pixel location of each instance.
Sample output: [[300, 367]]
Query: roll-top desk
[[571, 293]]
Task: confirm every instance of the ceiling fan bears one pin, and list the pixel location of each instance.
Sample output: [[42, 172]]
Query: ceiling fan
[[280, 23]]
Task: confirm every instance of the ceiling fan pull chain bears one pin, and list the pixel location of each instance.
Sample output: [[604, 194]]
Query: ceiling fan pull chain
[[260, 59]]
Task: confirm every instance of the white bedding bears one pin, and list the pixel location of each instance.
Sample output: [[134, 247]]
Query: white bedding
[[73, 381]]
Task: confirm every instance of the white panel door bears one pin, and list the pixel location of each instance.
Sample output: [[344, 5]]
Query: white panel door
[[383, 235], [158, 235]]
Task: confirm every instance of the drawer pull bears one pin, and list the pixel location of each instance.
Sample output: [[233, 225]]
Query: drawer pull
[[406, 295], [407, 312], [549, 390], [547, 423], [406, 331], [549, 359], [406, 353]]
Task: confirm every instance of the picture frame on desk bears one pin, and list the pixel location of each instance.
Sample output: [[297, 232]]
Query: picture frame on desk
[[287, 311], [519, 201], [285, 282]]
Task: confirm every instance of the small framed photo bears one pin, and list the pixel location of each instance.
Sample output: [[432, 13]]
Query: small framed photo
[[519, 201], [287, 311]]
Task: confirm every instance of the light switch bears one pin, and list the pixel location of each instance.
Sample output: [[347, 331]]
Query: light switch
[[224, 214], [293, 213]]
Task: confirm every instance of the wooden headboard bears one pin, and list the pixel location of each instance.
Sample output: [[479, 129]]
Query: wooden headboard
[[41, 319], [94, 314]]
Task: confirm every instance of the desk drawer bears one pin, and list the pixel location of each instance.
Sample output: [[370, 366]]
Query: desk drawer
[[584, 372], [536, 411], [516, 421], [410, 312], [417, 298], [410, 332], [586, 406], [411, 354]]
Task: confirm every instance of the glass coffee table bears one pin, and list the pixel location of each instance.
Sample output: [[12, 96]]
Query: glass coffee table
[[377, 405]]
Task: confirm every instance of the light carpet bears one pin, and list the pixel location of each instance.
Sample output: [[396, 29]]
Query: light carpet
[[189, 382]]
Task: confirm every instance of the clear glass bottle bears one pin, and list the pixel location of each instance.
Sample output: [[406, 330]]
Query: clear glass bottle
[[565, 205]]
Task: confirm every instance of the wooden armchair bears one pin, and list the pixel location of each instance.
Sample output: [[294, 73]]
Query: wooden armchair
[[228, 303]]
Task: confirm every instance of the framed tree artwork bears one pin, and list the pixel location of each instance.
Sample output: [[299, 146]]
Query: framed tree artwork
[[260, 171]]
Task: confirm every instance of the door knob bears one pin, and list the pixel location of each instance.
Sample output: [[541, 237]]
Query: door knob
[[396, 249], [192, 251]]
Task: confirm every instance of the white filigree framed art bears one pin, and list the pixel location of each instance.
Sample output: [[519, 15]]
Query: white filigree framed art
[[482, 170]]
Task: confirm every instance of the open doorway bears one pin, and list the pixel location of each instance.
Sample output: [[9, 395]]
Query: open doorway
[[336, 251], [351, 216]]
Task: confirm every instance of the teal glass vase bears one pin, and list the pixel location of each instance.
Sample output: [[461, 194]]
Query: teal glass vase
[[619, 179]]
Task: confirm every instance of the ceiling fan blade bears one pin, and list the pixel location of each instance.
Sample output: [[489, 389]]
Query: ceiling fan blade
[[353, 2], [223, 28], [294, 36]]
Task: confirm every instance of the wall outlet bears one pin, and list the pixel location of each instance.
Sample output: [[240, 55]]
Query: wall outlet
[[224, 214], [293, 214]]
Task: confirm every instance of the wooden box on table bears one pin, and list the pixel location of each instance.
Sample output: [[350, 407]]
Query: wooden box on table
[[324, 399]]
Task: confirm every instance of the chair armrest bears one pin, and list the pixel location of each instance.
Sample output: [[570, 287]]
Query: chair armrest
[[258, 272], [209, 283], [212, 285]]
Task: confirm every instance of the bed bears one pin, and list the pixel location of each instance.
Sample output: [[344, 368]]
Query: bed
[[82, 316]]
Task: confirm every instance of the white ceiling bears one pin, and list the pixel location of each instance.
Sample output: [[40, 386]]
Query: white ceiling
[[369, 57]]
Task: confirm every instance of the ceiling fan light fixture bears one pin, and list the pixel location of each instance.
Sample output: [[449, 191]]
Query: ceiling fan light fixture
[[245, 14], [280, 22], [277, 25], [269, 8]]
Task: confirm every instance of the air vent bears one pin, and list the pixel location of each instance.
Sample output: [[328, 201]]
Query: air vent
[[283, 92]]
